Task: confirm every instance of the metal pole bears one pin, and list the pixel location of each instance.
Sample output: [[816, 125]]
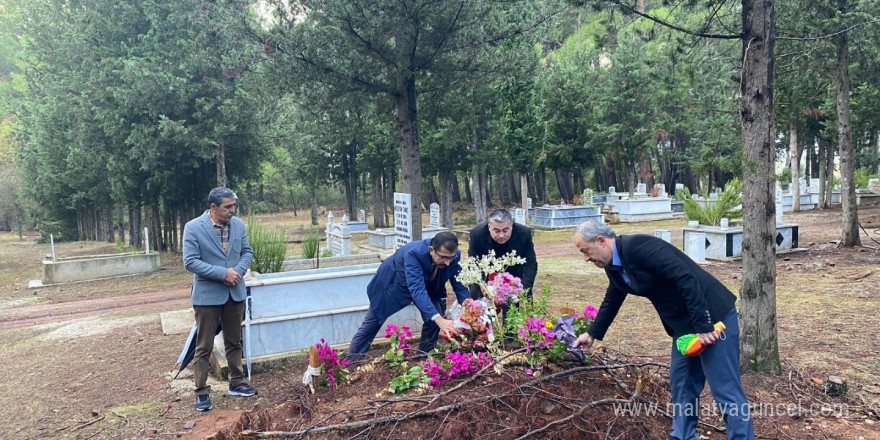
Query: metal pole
[[146, 240], [52, 240]]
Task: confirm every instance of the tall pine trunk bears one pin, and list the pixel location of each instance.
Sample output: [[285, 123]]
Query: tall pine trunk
[[378, 200], [221, 163], [795, 159], [845, 141], [758, 335], [447, 185], [408, 138]]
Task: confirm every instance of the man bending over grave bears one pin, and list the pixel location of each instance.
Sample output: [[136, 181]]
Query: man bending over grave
[[416, 274]]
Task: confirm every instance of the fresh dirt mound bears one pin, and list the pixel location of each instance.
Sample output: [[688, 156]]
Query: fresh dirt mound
[[570, 402]]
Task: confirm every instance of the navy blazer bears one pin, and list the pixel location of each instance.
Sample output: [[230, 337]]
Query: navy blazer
[[203, 256], [404, 278], [687, 298], [481, 243]]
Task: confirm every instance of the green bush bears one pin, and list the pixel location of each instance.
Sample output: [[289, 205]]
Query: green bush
[[270, 248], [862, 176], [57, 229], [728, 205], [310, 245]]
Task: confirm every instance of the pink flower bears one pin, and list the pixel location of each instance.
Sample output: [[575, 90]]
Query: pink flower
[[590, 312]]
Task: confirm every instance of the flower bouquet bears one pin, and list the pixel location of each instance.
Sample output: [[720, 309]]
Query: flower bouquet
[[473, 318], [498, 286]]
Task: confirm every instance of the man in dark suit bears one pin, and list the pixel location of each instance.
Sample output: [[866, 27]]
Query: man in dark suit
[[417, 273], [502, 235], [688, 300], [217, 252]]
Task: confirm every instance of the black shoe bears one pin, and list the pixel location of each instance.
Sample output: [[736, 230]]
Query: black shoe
[[203, 402], [242, 390]]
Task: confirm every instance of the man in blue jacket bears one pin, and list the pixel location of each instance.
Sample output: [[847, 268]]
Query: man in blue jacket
[[689, 300], [217, 252], [417, 273]]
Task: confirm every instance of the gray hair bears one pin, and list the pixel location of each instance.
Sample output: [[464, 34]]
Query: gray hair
[[501, 216], [591, 230], [219, 193]]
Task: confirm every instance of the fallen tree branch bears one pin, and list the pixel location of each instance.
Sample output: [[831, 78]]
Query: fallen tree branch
[[365, 423], [84, 424], [535, 432]]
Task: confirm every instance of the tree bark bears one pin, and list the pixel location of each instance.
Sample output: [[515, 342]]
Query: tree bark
[[824, 202], [524, 193], [408, 139], [469, 198], [447, 188], [108, 217], [379, 219], [541, 183], [221, 163], [795, 158], [758, 336], [503, 195], [313, 193], [845, 141]]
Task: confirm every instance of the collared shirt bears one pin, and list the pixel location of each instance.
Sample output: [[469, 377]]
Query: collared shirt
[[223, 234], [616, 264]]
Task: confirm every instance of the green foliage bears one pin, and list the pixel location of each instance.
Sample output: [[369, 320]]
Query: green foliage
[[518, 315], [270, 247], [310, 245], [58, 230], [862, 176], [785, 176], [728, 205], [412, 377]]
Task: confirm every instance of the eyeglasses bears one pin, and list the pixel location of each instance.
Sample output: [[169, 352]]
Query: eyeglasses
[[444, 257]]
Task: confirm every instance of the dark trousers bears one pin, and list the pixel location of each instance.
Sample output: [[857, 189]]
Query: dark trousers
[[365, 335], [229, 316], [719, 364]]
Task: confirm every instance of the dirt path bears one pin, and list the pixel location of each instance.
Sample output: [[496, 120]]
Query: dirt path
[[147, 302]]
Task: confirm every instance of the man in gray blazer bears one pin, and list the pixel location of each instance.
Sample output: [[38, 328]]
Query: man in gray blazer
[[217, 252]]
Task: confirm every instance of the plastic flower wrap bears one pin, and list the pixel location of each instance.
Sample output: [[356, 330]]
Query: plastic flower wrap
[[474, 318]]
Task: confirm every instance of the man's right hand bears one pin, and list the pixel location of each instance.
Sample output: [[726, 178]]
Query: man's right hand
[[447, 327], [232, 277]]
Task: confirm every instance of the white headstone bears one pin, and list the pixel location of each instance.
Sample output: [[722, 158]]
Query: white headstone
[[678, 187], [725, 223], [695, 246], [814, 186], [802, 185], [641, 188], [362, 215], [519, 216], [435, 215], [338, 237], [874, 185], [612, 190], [403, 215], [663, 234], [713, 196], [778, 192], [529, 202], [329, 220], [661, 187], [779, 211], [693, 223]]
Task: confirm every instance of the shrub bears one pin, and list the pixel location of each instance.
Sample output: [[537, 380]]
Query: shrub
[[728, 205], [310, 245], [270, 247]]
